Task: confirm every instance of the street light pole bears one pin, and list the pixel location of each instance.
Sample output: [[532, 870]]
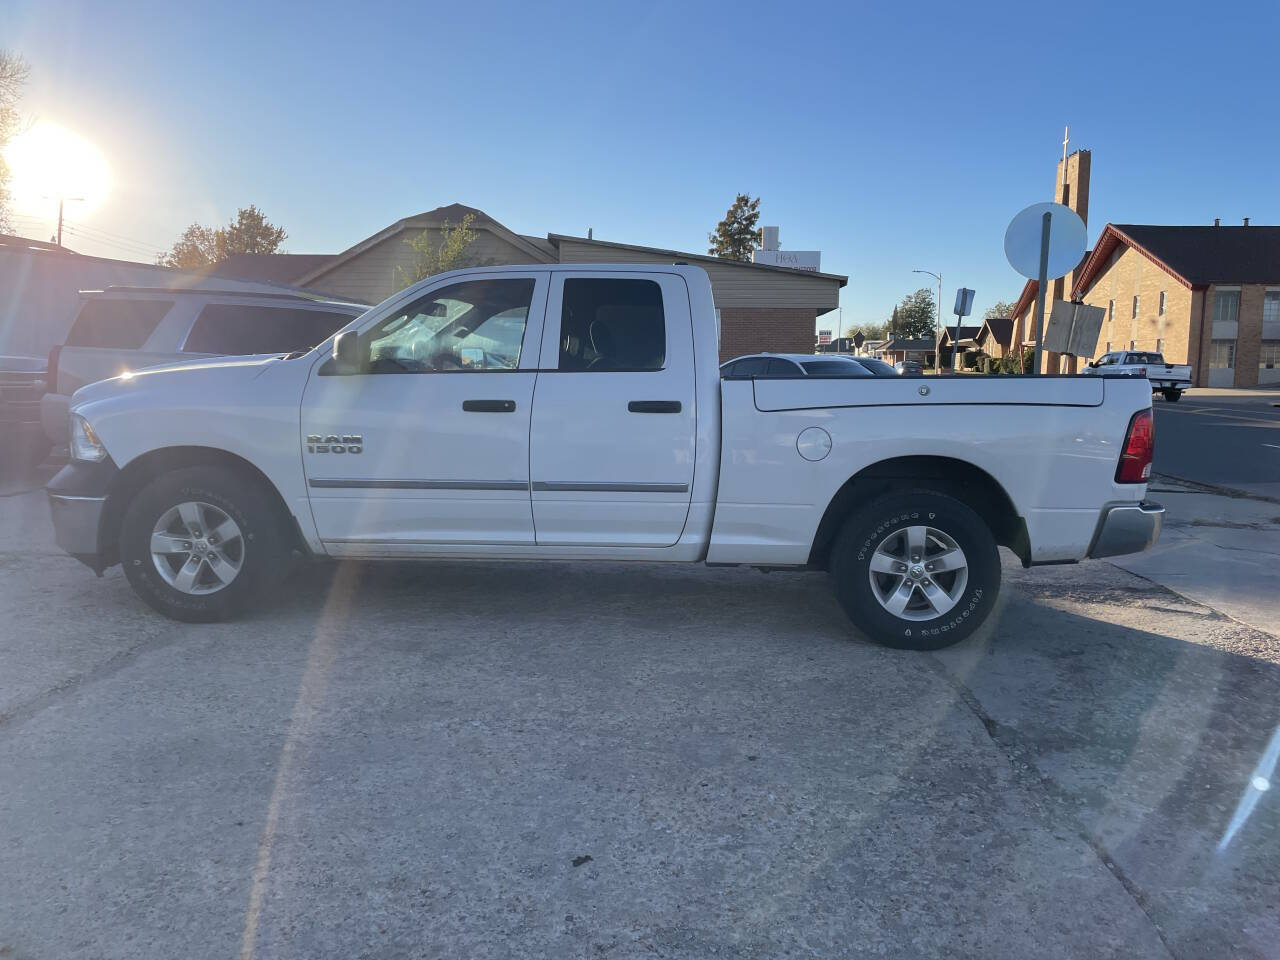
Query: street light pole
[[937, 335]]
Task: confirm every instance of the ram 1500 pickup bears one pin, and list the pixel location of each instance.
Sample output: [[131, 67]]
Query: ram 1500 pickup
[[577, 412]]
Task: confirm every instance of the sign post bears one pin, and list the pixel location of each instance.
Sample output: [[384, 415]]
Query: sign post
[[1042, 281], [963, 307], [1043, 242]]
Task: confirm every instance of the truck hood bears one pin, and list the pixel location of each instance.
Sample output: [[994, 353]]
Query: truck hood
[[225, 375]]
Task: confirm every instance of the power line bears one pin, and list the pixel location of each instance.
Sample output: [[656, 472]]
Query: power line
[[90, 228]]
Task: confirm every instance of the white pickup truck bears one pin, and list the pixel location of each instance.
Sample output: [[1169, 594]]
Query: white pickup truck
[[1167, 379], [577, 412]]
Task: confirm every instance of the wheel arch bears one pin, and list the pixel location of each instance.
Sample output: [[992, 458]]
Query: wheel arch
[[140, 471], [968, 483]]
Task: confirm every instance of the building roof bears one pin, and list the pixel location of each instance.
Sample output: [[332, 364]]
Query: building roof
[[1198, 256], [556, 238], [453, 213], [999, 329], [966, 332], [270, 267], [896, 344]]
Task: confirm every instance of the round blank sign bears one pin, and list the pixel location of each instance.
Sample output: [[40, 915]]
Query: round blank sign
[[1066, 240]]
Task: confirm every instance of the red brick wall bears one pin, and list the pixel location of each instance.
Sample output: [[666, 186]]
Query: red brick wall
[[771, 329]]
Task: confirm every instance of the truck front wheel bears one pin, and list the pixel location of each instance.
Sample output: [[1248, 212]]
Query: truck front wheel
[[202, 543], [916, 570]]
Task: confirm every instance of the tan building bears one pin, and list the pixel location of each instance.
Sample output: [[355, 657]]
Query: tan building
[[761, 307], [1071, 189], [1206, 296]]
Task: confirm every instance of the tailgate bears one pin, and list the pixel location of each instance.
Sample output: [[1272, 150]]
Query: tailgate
[[814, 392]]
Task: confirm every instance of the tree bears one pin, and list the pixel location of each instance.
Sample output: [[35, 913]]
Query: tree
[[199, 246], [196, 248], [734, 237], [916, 316], [431, 256], [13, 74], [1001, 308], [870, 331]]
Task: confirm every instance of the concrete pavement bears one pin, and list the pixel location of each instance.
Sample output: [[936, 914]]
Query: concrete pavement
[[1219, 550], [513, 760]]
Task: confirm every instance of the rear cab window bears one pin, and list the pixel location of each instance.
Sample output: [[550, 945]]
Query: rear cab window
[[117, 324], [234, 329]]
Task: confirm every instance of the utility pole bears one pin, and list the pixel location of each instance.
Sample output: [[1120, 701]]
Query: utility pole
[[61, 199]]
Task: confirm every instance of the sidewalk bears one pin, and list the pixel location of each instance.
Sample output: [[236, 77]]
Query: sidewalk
[[1218, 550]]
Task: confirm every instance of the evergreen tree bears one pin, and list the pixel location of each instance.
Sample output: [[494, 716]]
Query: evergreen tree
[[735, 237]]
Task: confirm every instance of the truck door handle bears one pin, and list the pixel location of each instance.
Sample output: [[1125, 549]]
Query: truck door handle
[[654, 406], [489, 406]]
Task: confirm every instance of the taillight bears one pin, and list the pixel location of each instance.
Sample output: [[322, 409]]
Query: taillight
[[51, 378], [1139, 446], [1142, 371]]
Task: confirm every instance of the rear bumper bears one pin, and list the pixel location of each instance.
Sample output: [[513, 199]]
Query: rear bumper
[[1127, 528]]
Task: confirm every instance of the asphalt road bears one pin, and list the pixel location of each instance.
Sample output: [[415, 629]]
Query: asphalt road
[[1224, 440], [612, 760]]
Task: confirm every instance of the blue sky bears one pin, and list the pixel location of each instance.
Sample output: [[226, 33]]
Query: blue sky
[[889, 136]]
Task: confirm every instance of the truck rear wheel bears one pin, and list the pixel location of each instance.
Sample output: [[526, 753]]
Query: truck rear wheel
[[202, 543], [916, 570], [1172, 396]]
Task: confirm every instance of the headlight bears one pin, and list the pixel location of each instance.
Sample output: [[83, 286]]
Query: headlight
[[85, 444]]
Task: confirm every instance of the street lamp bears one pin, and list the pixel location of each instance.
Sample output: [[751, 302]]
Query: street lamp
[[937, 335]]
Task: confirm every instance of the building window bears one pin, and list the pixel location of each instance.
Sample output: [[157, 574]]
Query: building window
[[1222, 355], [1108, 350], [1133, 344], [1135, 307], [1159, 344], [1162, 303], [1269, 358], [1271, 306], [1226, 306]]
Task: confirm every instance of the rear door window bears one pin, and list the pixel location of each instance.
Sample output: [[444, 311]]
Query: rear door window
[[751, 367], [233, 329], [117, 324], [782, 369], [612, 324]]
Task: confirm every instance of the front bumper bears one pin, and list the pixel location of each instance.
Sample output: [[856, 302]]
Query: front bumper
[[1127, 528], [55, 417], [77, 498]]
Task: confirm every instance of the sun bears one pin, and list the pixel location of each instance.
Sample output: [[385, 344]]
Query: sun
[[47, 162]]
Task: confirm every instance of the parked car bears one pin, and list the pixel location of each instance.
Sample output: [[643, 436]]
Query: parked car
[[123, 329], [782, 365], [909, 368], [876, 366], [202, 478], [23, 381], [1167, 379]]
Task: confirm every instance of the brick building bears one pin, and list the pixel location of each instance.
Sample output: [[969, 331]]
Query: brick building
[[760, 306], [1207, 296], [1071, 189]]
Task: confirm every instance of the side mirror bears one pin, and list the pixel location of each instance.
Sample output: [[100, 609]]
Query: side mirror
[[346, 353]]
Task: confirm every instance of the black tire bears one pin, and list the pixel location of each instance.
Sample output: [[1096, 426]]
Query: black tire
[[264, 553], [878, 521], [1172, 396]]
